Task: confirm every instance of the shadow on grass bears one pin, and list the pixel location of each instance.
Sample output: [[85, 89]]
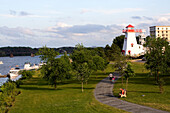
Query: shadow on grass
[[145, 91], [116, 92], [39, 88], [100, 73], [85, 88]]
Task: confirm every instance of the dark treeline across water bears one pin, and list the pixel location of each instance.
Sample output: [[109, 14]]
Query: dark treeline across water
[[27, 51]]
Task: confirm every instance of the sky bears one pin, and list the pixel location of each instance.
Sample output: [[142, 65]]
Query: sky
[[64, 23]]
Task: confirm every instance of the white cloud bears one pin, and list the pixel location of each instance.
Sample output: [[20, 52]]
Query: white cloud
[[16, 14], [63, 34], [162, 19]]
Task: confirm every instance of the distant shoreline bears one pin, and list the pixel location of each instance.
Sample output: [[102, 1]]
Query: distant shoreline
[[28, 51]]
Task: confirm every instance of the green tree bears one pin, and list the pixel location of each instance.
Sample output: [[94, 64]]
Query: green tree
[[82, 61], [119, 41], [120, 64], [83, 72], [129, 72], [112, 52], [56, 69], [86, 61], [157, 60]]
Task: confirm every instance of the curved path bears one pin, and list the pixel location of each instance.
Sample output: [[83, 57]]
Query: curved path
[[103, 93]]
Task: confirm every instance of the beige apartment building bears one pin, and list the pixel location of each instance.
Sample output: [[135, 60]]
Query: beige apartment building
[[160, 31]]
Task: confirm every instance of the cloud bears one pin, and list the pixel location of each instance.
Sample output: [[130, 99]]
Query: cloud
[[12, 12], [142, 18], [136, 17], [62, 34], [15, 14], [23, 13], [15, 32], [147, 18]]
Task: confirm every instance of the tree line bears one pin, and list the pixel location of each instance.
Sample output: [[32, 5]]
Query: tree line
[[27, 51]]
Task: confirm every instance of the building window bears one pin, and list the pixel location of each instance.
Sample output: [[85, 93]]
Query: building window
[[162, 34], [162, 28], [158, 31], [166, 34], [166, 28], [162, 31], [166, 31], [158, 34], [158, 28]]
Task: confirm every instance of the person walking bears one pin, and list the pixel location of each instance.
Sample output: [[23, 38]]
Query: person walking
[[110, 77]]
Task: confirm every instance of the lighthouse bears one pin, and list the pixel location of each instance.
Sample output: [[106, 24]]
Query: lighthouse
[[130, 46]]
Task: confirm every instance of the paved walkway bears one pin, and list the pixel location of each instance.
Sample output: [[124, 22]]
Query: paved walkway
[[103, 93]]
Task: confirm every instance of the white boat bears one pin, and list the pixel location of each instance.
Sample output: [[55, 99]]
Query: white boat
[[28, 66], [13, 72], [1, 62], [35, 66], [41, 64]]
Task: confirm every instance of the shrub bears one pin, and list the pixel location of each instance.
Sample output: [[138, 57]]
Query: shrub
[[26, 74], [7, 96]]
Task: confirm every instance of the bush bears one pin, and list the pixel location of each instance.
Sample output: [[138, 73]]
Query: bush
[[18, 83], [26, 74], [7, 97]]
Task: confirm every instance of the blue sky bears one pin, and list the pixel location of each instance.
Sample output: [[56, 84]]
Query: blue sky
[[58, 23]]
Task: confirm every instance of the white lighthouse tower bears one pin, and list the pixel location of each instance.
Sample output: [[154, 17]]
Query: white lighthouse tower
[[130, 46]]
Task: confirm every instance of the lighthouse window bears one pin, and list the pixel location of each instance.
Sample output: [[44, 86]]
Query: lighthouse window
[[129, 52]]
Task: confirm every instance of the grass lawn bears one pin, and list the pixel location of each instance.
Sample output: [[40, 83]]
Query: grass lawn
[[143, 90], [38, 97]]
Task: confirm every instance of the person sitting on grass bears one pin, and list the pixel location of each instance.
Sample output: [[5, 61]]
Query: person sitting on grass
[[122, 93]]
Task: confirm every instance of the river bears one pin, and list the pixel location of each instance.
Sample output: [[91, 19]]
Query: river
[[9, 63]]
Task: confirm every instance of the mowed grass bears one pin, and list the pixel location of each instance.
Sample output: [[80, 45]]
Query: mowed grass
[[38, 97], [143, 90]]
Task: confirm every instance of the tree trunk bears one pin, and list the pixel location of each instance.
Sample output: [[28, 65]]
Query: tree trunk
[[126, 83], [55, 85], [122, 81], [157, 76], [82, 86]]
